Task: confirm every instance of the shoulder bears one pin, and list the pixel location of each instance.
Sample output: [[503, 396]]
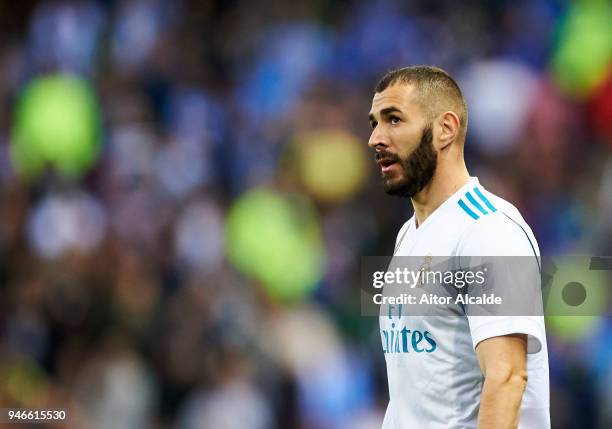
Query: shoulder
[[496, 227]]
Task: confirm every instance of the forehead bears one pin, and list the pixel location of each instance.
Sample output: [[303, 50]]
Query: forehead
[[400, 95]]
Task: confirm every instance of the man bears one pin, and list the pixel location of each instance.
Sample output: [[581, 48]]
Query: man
[[468, 371]]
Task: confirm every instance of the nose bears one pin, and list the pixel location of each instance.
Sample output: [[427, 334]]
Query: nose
[[378, 139]]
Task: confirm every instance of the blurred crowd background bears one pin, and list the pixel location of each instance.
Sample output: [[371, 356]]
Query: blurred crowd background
[[186, 193]]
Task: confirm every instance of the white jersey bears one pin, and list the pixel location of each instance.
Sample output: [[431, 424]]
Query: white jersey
[[435, 380]]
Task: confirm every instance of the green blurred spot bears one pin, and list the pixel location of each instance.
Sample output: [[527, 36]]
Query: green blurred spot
[[277, 241], [26, 382], [571, 328], [584, 51], [56, 124]]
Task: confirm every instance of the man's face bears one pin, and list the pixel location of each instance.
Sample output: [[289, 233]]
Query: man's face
[[402, 139]]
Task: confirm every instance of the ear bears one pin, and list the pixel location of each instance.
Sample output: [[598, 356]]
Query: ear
[[449, 125]]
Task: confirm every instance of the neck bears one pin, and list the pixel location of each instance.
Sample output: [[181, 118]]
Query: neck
[[445, 182]]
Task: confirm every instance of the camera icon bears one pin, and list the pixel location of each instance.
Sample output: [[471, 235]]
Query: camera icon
[[576, 292]]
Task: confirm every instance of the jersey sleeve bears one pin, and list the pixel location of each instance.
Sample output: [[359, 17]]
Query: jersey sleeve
[[510, 247]]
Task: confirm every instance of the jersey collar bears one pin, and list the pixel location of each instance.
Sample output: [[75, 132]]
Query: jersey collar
[[450, 201]]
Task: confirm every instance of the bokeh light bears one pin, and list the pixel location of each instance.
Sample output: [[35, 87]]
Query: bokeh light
[[26, 381], [276, 240], [331, 164], [56, 124], [584, 53], [498, 94]]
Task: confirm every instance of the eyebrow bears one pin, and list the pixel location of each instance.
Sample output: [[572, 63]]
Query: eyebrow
[[385, 111]]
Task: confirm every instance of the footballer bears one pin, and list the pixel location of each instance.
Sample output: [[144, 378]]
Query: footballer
[[485, 372]]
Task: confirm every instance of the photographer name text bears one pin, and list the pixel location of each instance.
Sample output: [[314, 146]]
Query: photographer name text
[[432, 299]]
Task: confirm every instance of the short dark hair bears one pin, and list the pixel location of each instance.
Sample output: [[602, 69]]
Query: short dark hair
[[437, 90]]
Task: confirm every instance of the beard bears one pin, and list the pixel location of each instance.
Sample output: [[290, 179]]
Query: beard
[[417, 169]]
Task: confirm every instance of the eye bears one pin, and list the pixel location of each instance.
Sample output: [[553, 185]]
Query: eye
[[373, 124], [394, 120]]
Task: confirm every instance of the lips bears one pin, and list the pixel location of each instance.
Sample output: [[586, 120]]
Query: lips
[[388, 167], [386, 161]]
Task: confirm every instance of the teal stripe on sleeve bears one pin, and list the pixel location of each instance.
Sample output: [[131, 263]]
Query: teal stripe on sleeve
[[467, 209], [484, 200], [475, 203]]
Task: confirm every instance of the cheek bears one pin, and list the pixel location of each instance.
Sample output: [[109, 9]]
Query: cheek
[[405, 142]]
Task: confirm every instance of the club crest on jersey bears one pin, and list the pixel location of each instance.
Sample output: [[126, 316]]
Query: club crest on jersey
[[425, 266]]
